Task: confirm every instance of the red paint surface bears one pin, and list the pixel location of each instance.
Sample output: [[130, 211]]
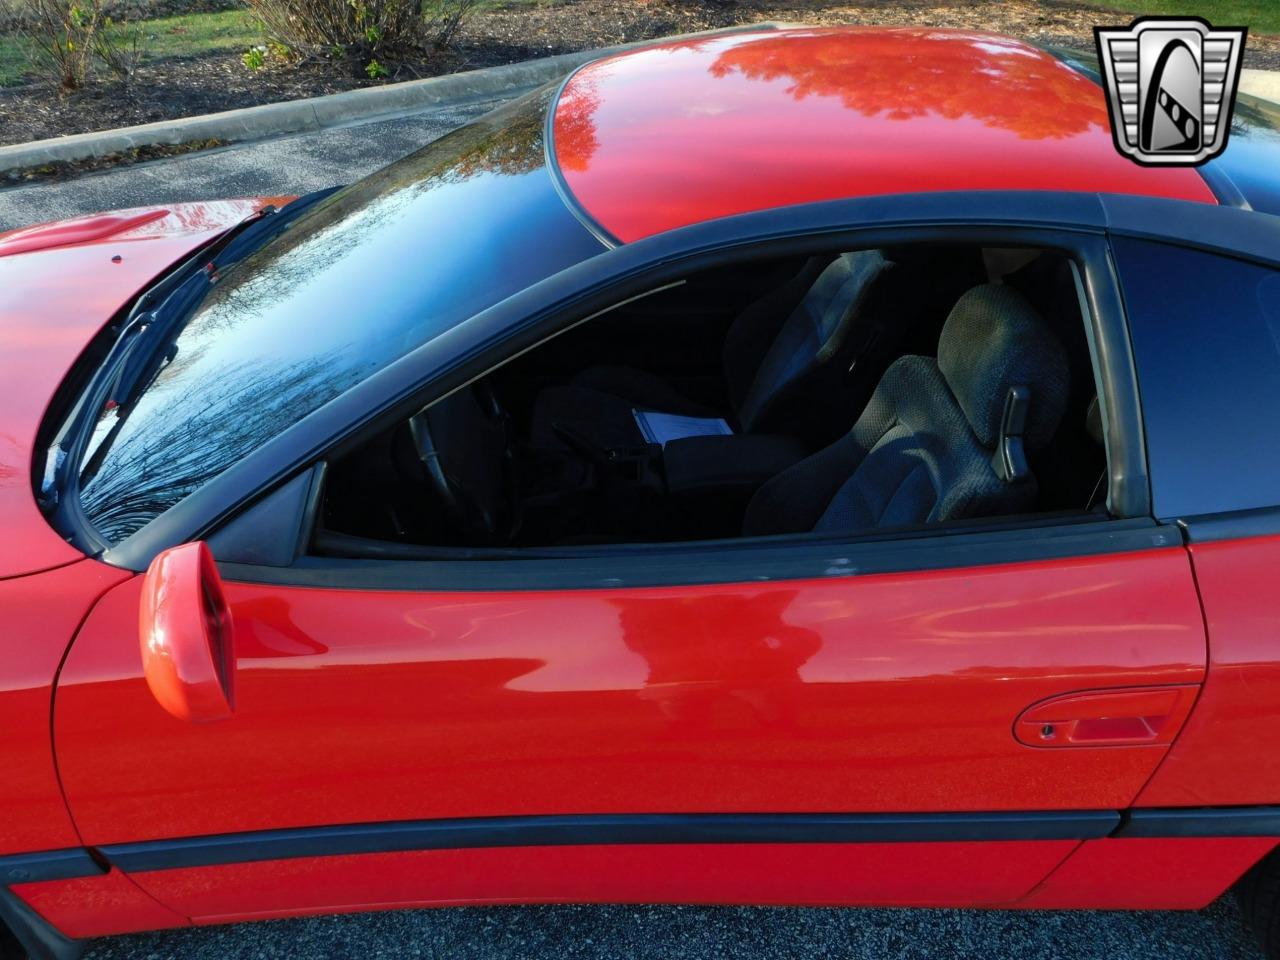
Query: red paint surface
[[1227, 752], [918, 874], [685, 132], [98, 906], [53, 299], [1148, 874], [83, 230], [38, 617], [873, 693]]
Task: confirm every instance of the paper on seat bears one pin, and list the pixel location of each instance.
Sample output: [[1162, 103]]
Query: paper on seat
[[662, 427]]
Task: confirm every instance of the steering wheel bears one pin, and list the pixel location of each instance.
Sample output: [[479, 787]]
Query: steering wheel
[[459, 446]]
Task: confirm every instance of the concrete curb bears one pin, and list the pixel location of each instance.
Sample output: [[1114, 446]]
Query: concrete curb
[[316, 113], [1263, 84]]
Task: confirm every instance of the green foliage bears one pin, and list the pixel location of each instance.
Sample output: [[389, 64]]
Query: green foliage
[[255, 58], [375, 70]]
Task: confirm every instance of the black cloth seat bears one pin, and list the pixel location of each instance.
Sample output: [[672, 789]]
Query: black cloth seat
[[779, 353], [924, 448]]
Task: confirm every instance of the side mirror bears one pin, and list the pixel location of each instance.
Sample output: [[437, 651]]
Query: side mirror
[[186, 636]]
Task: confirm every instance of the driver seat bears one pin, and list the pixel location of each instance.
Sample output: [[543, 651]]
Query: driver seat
[[940, 439]]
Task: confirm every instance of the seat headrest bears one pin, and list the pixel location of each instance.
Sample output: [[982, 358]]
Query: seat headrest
[[993, 340]]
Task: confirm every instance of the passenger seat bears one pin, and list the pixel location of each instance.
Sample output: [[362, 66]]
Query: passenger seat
[[940, 439]]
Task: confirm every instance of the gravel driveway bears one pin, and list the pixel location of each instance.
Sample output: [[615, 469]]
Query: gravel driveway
[[705, 933], [311, 161]]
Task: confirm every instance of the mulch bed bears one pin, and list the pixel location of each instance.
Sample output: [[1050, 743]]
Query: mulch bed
[[178, 88]]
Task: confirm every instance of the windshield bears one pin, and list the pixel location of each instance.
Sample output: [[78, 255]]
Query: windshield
[[364, 277]]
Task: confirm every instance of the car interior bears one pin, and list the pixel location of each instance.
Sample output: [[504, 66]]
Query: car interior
[[843, 394]]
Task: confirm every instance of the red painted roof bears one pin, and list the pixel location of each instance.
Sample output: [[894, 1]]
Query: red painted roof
[[683, 132]]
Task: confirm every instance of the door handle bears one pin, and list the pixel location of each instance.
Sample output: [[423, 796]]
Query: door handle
[[1133, 716]]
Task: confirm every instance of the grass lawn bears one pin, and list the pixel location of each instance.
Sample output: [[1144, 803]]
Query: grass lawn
[[1260, 16], [183, 36]]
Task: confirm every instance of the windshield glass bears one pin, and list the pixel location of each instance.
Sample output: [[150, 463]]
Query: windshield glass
[[364, 277]]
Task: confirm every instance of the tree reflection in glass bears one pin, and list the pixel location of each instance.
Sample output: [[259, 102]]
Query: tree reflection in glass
[[362, 279]]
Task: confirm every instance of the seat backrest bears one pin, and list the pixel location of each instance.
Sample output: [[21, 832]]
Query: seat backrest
[[812, 335], [923, 449]]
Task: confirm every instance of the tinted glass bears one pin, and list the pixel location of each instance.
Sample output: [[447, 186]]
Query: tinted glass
[[1206, 337], [366, 276]]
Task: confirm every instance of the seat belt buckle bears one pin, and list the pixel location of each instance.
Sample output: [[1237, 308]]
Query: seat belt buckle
[[1010, 459]]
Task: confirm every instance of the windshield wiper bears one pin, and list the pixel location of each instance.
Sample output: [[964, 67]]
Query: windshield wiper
[[145, 343]]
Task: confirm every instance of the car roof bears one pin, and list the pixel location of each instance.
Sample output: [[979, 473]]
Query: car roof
[[678, 133]]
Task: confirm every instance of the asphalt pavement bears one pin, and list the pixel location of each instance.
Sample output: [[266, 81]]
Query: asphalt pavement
[[297, 164], [289, 165]]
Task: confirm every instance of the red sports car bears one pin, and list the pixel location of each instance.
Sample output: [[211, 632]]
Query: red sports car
[[791, 467]]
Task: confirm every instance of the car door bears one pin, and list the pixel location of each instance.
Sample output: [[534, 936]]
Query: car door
[[937, 717], [848, 733]]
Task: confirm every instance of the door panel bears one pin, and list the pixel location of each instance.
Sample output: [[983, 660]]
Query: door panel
[[876, 693]]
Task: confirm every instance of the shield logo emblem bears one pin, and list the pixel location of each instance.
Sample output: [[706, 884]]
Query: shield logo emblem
[[1171, 87]]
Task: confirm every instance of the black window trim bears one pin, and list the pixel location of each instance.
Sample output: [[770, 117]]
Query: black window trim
[[763, 560], [1075, 223]]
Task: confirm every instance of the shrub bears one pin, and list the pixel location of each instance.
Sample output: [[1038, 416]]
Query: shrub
[[63, 34], [369, 32], [120, 47], [67, 38]]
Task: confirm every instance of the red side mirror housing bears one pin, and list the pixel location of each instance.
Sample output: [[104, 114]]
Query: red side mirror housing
[[188, 654]]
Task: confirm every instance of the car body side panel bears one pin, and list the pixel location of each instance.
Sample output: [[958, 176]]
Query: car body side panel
[[40, 615], [877, 693], [1227, 753], [1182, 873], [98, 906], [921, 874]]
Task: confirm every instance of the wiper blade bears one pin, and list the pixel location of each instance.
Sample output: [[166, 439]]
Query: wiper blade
[[139, 366], [130, 367], [153, 347]]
